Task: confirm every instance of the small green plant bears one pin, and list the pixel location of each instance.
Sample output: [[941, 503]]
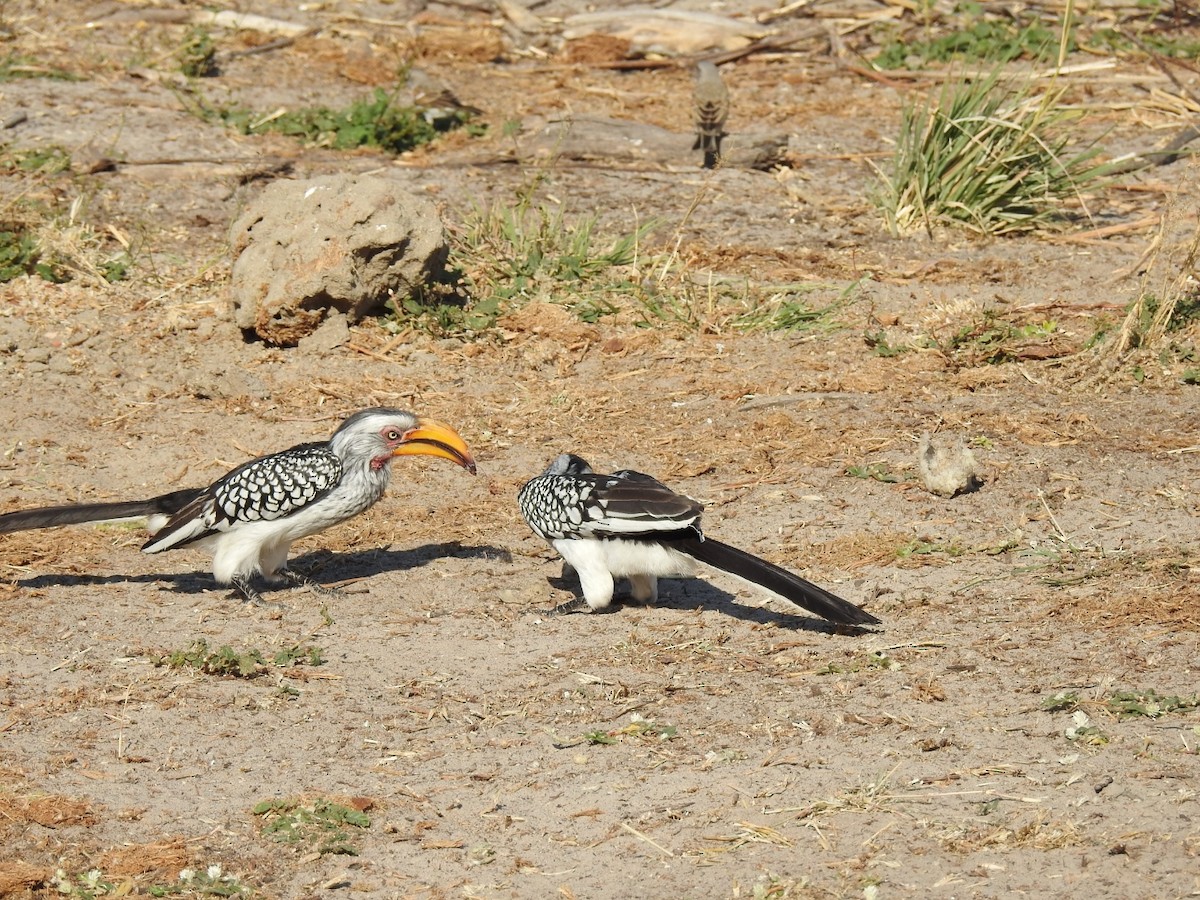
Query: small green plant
[[21, 255], [84, 885], [860, 663], [228, 662], [1149, 704], [928, 548], [1063, 700], [991, 340], [320, 823], [874, 472], [986, 156], [878, 343], [198, 54], [1089, 735], [637, 727], [207, 882]]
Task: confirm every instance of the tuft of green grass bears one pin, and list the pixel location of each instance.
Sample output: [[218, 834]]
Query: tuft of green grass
[[986, 156], [321, 823], [523, 253], [505, 256]]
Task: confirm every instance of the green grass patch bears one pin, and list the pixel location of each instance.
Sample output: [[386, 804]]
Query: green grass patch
[[14, 66], [225, 661], [505, 256], [376, 121], [325, 826], [986, 156], [982, 38]]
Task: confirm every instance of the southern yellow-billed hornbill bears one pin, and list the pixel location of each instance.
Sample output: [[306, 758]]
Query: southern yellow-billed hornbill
[[249, 518], [630, 525]]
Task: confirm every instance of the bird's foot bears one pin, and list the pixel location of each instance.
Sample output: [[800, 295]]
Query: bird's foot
[[574, 605], [243, 587], [299, 579]]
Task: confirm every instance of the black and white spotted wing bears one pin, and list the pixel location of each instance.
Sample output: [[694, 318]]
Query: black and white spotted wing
[[568, 500], [263, 489]]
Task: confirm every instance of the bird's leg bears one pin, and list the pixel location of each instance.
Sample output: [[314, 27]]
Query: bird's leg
[[299, 579], [644, 588], [241, 584], [574, 605]]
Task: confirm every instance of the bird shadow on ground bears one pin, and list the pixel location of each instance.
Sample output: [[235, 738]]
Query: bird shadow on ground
[[326, 564], [690, 594], [319, 564]]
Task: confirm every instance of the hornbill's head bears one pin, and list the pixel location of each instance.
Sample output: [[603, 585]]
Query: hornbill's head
[[383, 434]]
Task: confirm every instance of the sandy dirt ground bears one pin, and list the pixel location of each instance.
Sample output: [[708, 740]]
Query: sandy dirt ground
[[1023, 724]]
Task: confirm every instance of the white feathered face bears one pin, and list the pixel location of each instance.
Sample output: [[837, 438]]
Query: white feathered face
[[383, 434]]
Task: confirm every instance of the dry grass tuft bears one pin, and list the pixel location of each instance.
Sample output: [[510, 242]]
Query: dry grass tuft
[[47, 810], [163, 858], [1042, 832]]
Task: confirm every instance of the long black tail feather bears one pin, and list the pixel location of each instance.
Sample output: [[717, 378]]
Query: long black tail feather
[[776, 580], [81, 513]]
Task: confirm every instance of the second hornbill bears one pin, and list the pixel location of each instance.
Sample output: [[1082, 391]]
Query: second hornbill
[[630, 525], [249, 518]]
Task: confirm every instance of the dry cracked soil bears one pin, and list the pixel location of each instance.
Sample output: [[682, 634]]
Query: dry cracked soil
[[1023, 724]]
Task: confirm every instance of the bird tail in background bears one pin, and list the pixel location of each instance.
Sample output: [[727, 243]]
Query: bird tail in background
[[776, 580], [82, 513]]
